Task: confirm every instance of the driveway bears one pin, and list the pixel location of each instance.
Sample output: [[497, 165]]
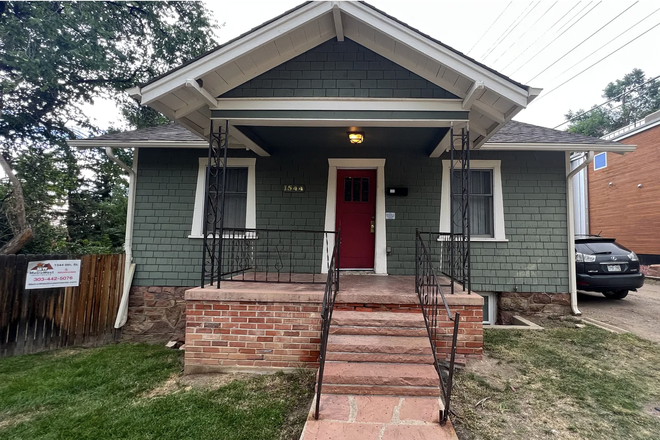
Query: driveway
[[639, 312]]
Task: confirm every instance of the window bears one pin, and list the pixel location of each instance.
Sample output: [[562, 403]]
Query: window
[[490, 308], [480, 199], [486, 201], [600, 161], [240, 200]]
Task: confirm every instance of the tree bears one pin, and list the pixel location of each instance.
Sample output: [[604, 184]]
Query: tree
[[55, 56], [632, 98]]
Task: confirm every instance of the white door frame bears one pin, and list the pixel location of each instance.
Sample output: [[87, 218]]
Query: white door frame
[[380, 255]]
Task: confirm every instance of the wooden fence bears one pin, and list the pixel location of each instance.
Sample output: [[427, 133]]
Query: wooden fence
[[44, 319]]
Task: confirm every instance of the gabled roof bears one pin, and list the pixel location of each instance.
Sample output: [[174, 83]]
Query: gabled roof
[[509, 137], [188, 93]]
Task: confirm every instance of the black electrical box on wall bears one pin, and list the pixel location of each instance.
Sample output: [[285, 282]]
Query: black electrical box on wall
[[396, 191]]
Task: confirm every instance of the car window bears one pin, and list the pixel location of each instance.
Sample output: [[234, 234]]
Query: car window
[[603, 248]]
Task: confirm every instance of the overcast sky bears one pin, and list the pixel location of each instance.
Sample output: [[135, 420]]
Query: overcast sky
[[522, 39]]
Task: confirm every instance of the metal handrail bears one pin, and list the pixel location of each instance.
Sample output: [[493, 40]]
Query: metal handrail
[[428, 289], [329, 297]]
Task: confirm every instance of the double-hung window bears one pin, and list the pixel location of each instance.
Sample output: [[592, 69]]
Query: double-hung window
[[485, 200], [240, 210]]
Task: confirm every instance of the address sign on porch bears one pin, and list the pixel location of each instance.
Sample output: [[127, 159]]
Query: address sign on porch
[[294, 188], [52, 273]]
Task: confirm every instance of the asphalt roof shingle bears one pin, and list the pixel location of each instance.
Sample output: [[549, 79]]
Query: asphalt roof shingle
[[514, 132], [165, 133]]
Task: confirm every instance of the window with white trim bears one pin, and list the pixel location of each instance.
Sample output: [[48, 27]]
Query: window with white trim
[[486, 200], [240, 198], [490, 308], [600, 161]]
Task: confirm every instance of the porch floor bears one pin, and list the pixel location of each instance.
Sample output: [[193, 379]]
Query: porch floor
[[373, 289]]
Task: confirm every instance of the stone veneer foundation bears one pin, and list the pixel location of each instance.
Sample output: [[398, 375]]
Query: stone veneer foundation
[[246, 329], [525, 303], [155, 314]]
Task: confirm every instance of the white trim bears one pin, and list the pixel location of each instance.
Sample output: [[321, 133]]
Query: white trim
[[201, 92], [336, 16], [380, 253], [499, 233], [200, 191], [249, 143], [604, 154], [92, 143], [477, 87], [443, 145], [491, 298], [557, 147], [311, 122], [340, 104]]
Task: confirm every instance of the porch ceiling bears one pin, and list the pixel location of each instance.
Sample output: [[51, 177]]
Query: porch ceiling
[[189, 93], [277, 139]]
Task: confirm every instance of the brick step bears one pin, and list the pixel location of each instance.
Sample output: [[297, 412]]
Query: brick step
[[379, 344], [376, 390], [377, 319], [384, 331], [380, 374], [380, 357]]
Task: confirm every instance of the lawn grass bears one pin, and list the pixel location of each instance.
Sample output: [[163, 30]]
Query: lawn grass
[[565, 383], [117, 392]]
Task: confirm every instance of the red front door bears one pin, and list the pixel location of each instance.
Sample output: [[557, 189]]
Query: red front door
[[356, 218]]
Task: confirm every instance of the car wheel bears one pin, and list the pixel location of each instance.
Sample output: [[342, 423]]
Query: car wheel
[[618, 294]]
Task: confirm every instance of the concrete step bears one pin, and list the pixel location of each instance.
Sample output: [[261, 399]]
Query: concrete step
[[380, 357], [379, 344], [380, 374], [384, 331], [379, 390], [377, 319]]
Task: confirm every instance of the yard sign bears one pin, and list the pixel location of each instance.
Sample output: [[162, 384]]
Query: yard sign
[[52, 273]]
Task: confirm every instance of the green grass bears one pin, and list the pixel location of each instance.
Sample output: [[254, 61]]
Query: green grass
[[582, 383], [108, 393]]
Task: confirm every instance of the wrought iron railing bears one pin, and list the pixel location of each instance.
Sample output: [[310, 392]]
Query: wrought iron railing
[[275, 255], [329, 296], [433, 302]]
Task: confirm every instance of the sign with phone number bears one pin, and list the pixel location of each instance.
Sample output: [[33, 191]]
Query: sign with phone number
[[52, 273]]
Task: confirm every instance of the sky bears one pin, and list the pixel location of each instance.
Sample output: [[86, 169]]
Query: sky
[[538, 43]]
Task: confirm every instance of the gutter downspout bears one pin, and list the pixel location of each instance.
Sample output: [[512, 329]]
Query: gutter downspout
[[570, 219], [129, 266]]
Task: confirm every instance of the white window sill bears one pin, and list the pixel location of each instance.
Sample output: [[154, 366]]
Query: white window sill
[[484, 239], [248, 236]]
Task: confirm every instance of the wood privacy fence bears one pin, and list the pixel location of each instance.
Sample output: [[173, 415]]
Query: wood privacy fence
[[44, 319]]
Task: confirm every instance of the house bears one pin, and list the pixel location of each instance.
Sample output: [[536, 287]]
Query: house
[[338, 119], [629, 183]]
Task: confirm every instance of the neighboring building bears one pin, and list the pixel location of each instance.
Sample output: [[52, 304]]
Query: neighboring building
[[290, 92], [624, 191]]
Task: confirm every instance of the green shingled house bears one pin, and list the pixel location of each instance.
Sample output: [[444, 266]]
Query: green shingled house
[[338, 117]]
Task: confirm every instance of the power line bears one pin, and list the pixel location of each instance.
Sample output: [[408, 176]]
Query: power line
[[631, 27], [582, 42], [597, 62], [525, 33], [489, 27], [548, 30], [607, 102], [505, 31], [514, 28], [559, 36]]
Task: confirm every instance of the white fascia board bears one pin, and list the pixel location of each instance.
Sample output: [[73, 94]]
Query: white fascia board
[[442, 55], [83, 144], [404, 104], [287, 122], [229, 53], [558, 147]]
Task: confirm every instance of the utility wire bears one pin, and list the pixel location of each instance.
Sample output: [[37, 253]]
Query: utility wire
[[607, 102], [580, 44], [525, 33], [548, 30], [514, 28], [597, 62], [631, 27], [559, 36], [505, 31], [489, 28]]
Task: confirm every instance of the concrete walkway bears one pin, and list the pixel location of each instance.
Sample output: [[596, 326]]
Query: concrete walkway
[[354, 417]]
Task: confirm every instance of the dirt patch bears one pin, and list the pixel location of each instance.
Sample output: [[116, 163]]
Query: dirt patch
[[495, 372], [205, 382], [653, 409], [7, 421]]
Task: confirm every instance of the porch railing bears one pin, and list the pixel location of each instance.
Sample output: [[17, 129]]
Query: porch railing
[[329, 296], [275, 255], [433, 302]]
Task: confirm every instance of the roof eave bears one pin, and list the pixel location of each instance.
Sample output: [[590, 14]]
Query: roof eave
[[534, 146], [84, 144]]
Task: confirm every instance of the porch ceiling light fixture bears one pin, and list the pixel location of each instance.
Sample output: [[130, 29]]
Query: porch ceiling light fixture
[[356, 137]]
